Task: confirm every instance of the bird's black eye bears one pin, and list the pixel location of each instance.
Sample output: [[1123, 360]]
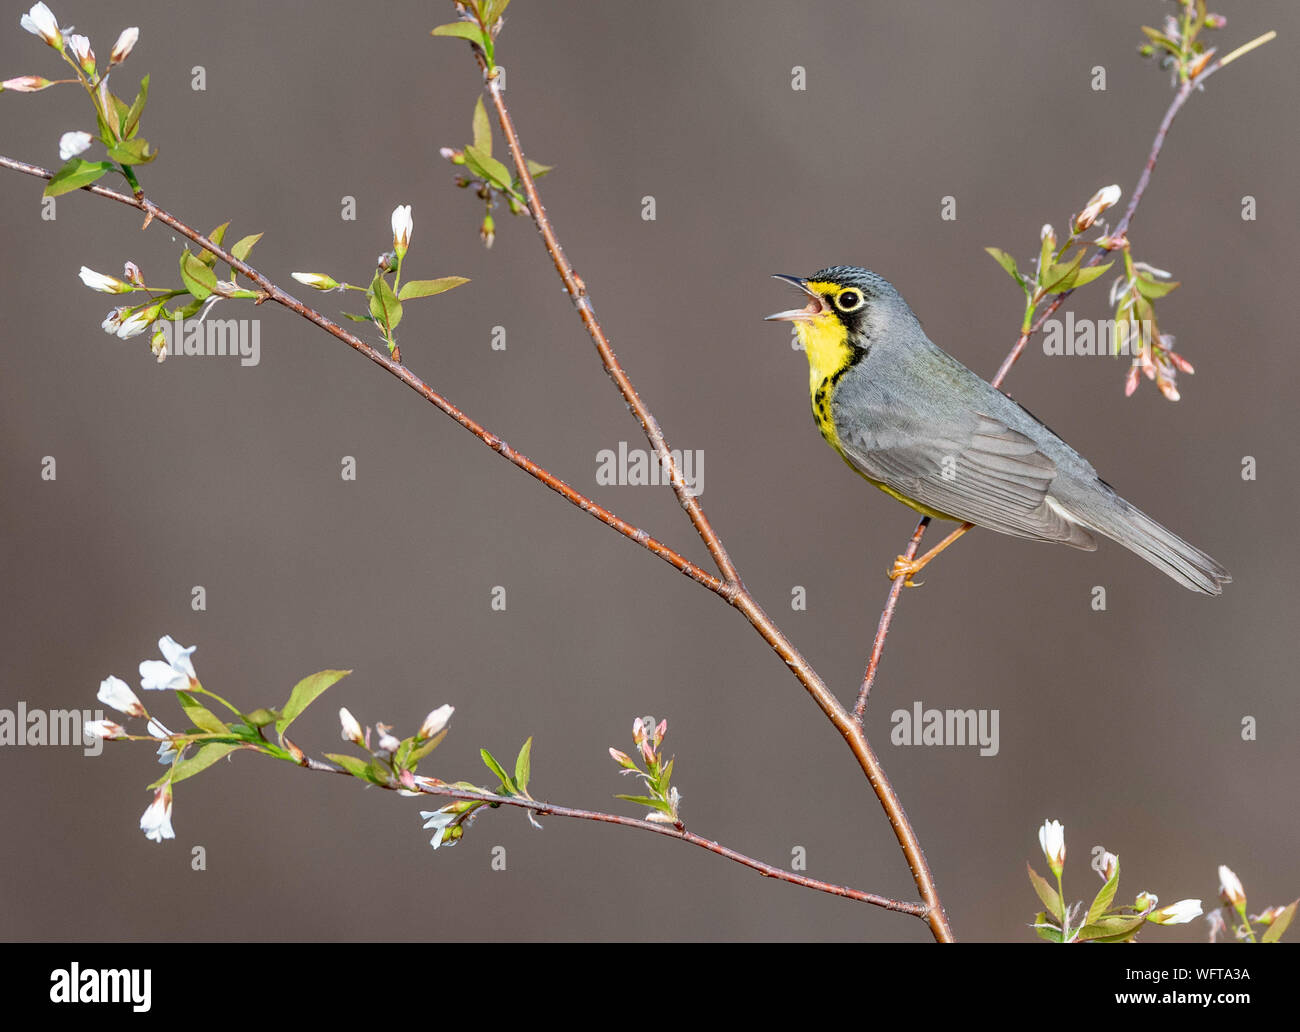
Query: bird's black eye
[[849, 300]]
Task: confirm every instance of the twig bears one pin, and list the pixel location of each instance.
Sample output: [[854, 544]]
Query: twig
[[733, 592], [737, 594], [1180, 98]]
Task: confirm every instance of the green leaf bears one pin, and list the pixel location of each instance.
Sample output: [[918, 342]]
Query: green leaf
[[654, 804], [208, 754], [304, 693], [429, 287], [462, 30], [1050, 934], [1089, 274], [384, 306], [487, 167], [1280, 924], [262, 716], [1051, 899], [402, 754], [352, 764], [202, 717], [523, 765], [1104, 898], [244, 245], [1007, 262], [357, 318], [1150, 287], [216, 236], [507, 782], [131, 122], [74, 175], [199, 280], [482, 128], [421, 751], [1110, 927], [536, 168], [491, 10], [1060, 277], [133, 152]]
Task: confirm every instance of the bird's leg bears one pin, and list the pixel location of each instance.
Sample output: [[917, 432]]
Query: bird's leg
[[904, 567]]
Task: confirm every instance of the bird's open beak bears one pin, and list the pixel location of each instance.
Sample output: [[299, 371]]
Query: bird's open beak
[[815, 307]]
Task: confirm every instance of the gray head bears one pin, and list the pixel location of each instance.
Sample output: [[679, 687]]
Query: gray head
[[866, 305]]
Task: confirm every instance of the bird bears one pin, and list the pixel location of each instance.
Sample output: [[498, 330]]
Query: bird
[[928, 431]]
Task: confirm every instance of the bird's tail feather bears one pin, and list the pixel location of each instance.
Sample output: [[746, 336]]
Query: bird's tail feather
[[1161, 547]]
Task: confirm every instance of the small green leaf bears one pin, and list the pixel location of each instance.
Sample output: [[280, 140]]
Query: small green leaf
[[216, 236], [384, 306], [202, 717], [304, 693], [1045, 932], [1060, 277], [487, 167], [1051, 899], [199, 280], [244, 245], [429, 287], [1007, 262], [495, 767], [1109, 927], [1089, 274], [482, 128], [352, 764], [357, 318], [208, 754], [133, 152], [640, 800], [537, 169], [523, 765], [377, 774], [492, 10], [1104, 897], [420, 752], [461, 30], [1150, 287], [262, 716], [131, 121], [74, 175], [1280, 923]]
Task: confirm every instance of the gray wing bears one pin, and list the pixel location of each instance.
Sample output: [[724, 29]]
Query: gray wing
[[980, 470]]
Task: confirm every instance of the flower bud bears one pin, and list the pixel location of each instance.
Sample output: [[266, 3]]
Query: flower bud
[[103, 729], [488, 231], [1051, 836], [124, 45], [1100, 201], [1177, 913], [436, 721], [316, 280], [402, 226], [85, 57], [1231, 890], [113, 691], [72, 144], [351, 728], [25, 84], [104, 284], [40, 21]]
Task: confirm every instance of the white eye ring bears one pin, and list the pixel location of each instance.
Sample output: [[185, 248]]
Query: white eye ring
[[856, 300]]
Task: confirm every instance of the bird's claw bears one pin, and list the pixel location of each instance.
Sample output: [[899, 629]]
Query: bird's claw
[[905, 568]]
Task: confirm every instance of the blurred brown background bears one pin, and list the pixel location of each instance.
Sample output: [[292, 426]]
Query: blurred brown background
[[1124, 724]]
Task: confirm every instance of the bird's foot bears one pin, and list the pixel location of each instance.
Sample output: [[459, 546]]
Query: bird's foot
[[905, 568]]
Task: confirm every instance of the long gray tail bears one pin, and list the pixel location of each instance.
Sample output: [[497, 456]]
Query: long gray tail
[[1158, 545]]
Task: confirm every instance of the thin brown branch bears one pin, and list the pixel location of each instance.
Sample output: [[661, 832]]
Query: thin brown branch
[[740, 597], [1180, 98], [931, 909], [403, 373], [680, 834]]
